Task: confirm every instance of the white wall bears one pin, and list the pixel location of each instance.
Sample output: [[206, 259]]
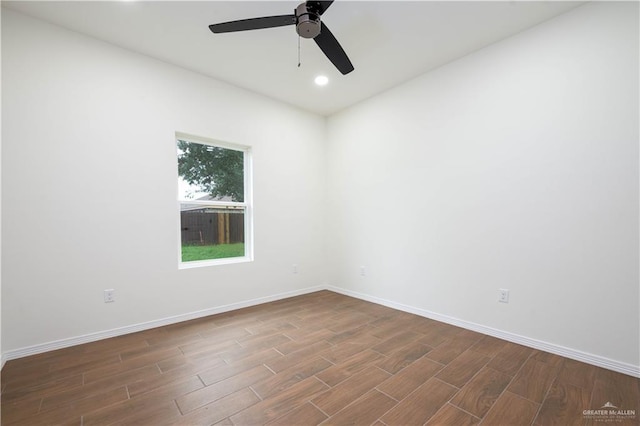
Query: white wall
[[514, 167], [89, 185]]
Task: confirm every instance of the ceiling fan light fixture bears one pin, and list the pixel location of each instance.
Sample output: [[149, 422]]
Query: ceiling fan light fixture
[[307, 22]]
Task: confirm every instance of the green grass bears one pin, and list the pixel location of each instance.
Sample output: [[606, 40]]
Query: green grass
[[220, 251]]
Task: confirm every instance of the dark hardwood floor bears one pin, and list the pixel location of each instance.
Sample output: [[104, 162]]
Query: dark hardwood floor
[[321, 358]]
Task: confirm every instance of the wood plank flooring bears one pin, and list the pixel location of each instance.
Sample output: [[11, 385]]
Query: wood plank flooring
[[321, 358]]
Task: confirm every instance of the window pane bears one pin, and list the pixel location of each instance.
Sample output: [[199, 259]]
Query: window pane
[[209, 172], [211, 232]]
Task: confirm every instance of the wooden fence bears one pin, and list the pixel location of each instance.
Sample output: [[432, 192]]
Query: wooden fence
[[207, 228]]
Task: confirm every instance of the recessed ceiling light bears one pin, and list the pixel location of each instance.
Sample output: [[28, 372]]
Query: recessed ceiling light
[[321, 80]]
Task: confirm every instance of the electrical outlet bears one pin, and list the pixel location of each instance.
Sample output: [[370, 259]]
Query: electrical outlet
[[362, 271], [295, 268], [109, 295], [503, 295]]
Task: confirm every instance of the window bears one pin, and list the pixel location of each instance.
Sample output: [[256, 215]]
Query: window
[[214, 198]]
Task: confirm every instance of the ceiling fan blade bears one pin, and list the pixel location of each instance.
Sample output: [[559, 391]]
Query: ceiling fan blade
[[332, 49], [319, 6], [253, 24]]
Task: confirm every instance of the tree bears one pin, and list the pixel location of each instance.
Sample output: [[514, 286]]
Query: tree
[[217, 171]]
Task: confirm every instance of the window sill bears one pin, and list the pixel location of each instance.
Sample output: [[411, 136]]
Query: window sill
[[214, 262]]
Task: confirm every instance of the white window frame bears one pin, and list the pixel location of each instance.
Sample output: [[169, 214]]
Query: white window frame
[[247, 204]]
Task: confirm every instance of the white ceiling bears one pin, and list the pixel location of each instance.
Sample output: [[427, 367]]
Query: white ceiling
[[388, 42]]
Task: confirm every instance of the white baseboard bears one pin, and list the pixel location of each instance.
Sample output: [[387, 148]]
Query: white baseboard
[[621, 367], [92, 337], [610, 364]]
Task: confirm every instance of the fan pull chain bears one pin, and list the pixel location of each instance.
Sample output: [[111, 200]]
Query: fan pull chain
[[298, 51]]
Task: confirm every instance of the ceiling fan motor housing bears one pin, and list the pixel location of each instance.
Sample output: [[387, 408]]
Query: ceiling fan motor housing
[[307, 22]]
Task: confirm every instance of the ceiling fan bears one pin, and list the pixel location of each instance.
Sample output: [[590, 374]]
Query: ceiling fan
[[306, 18]]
